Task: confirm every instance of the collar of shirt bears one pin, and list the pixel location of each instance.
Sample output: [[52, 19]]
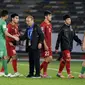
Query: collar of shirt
[[30, 27], [67, 24], [30, 30]]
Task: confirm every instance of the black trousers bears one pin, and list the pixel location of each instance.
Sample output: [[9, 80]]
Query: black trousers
[[34, 62]]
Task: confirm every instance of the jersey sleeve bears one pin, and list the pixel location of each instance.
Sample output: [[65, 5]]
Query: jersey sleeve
[[9, 28], [10, 32], [4, 28], [18, 32], [42, 28]]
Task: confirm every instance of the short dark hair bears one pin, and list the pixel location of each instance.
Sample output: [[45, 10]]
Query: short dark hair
[[47, 13], [13, 15], [4, 13], [66, 16]]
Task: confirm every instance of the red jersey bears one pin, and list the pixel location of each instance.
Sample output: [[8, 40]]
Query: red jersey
[[47, 30], [13, 30]]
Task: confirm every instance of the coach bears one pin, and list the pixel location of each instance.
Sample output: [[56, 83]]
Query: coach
[[34, 38]]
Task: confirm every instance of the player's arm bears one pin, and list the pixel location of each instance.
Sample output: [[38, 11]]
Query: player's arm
[[24, 36], [18, 33], [41, 37], [44, 42], [9, 29], [45, 45], [83, 43], [58, 41], [11, 41], [76, 38], [7, 34]]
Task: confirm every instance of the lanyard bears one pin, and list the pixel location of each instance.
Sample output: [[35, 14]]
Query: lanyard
[[30, 33], [30, 30]]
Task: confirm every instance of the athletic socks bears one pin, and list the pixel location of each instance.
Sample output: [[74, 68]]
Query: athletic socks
[[82, 70], [44, 66], [41, 66], [4, 63], [61, 67], [14, 64], [68, 67], [2, 69]]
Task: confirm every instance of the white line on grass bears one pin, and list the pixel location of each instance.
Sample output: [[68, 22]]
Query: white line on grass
[[53, 69], [52, 60]]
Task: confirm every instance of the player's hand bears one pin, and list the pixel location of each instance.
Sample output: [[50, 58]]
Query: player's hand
[[16, 38], [17, 35], [39, 46], [46, 47], [11, 44], [14, 52], [83, 47], [56, 51]]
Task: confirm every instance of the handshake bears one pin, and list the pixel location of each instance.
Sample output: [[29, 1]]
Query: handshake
[[16, 37]]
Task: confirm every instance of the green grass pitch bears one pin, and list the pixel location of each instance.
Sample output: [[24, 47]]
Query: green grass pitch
[[52, 71]]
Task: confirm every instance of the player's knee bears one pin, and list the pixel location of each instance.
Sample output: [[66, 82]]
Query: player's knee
[[63, 61], [14, 52], [14, 57], [45, 59], [5, 57], [50, 58], [68, 60]]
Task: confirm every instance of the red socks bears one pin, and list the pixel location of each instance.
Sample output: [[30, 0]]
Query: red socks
[[2, 69], [14, 64], [62, 64], [41, 66], [44, 65], [68, 66], [61, 67]]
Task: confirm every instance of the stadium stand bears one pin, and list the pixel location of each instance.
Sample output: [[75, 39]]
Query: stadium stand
[[58, 7]]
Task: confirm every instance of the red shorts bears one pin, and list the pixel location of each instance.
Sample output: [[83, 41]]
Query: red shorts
[[46, 53], [66, 55], [10, 50]]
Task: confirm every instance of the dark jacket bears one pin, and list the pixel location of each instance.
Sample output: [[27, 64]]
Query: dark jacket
[[66, 37], [37, 37]]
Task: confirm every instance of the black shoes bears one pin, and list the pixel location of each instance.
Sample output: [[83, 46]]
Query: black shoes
[[29, 76], [33, 76]]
